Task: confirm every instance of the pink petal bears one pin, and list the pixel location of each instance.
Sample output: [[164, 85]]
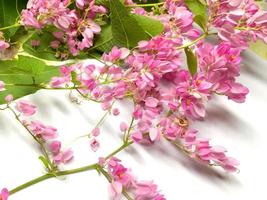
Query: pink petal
[[151, 102]]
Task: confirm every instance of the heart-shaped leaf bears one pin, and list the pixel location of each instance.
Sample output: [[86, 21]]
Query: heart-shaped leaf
[[24, 71]]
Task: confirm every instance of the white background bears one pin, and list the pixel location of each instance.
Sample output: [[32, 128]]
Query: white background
[[241, 128]]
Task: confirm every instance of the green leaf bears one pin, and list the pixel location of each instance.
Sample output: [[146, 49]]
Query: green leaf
[[102, 2], [151, 26], [126, 30], [28, 65], [196, 7], [199, 10], [260, 48], [43, 51], [104, 42], [45, 162], [24, 71], [201, 21], [9, 12], [191, 61]]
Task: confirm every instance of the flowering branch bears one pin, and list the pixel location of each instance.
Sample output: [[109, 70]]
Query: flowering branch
[[94, 166], [138, 49], [52, 167]]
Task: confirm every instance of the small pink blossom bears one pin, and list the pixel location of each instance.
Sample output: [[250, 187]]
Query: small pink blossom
[[58, 34], [151, 102], [154, 134], [2, 86], [4, 194], [115, 111], [55, 44], [116, 189], [64, 157], [116, 54], [26, 108], [123, 127], [43, 131], [57, 82], [94, 144], [96, 132], [9, 98], [137, 136], [35, 43], [101, 161], [55, 147], [145, 190], [3, 45]]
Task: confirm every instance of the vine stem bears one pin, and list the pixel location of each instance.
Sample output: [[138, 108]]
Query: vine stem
[[48, 176], [42, 86], [94, 166], [45, 153], [9, 27], [194, 41]]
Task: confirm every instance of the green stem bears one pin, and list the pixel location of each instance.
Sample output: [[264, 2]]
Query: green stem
[[146, 5], [194, 41], [94, 166], [43, 149], [48, 176], [124, 146], [30, 183], [86, 97], [127, 134], [103, 118], [9, 27], [39, 86]]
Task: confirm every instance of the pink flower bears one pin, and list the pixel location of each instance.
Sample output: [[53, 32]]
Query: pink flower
[[35, 43], [96, 132], [26, 108], [119, 172], [55, 44], [116, 54], [58, 34], [151, 102], [2, 86], [80, 3], [193, 107], [94, 144], [43, 131], [137, 136], [237, 92], [123, 127], [55, 147], [57, 82], [154, 134], [3, 45], [116, 189], [64, 157], [115, 111], [146, 190], [4, 194], [9, 98]]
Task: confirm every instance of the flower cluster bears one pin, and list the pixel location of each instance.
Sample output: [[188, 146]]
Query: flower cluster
[[238, 21], [45, 135], [74, 29], [122, 179], [169, 77]]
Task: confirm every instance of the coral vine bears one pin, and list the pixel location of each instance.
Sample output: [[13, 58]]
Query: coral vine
[[169, 70]]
